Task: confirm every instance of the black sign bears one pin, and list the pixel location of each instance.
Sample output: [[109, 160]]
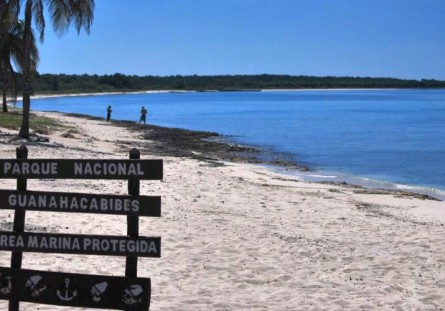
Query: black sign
[[81, 203], [77, 290], [81, 244], [81, 169]]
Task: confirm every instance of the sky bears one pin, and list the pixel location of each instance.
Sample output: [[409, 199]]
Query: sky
[[361, 38]]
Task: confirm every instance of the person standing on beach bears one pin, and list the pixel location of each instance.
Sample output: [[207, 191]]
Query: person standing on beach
[[143, 114], [109, 113]]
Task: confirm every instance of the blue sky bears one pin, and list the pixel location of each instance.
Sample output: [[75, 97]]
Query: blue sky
[[375, 38]]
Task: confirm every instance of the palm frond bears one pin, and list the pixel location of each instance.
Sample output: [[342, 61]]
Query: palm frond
[[39, 18], [60, 15], [83, 11]]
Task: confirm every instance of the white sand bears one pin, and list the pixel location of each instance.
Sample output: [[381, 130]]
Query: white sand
[[240, 237]]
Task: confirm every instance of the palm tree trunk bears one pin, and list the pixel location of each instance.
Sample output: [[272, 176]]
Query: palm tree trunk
[[5, 87], [24, 130], [5, 104]]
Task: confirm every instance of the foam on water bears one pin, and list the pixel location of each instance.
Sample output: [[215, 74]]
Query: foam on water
[[362, 181]]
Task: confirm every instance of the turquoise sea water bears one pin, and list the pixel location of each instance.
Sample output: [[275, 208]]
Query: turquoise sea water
[[379, 138]]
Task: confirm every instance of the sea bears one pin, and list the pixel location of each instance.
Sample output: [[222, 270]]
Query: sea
[[392, 139]]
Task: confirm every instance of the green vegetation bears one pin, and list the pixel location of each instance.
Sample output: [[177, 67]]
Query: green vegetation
[[39, 124], [12, 32], [10, 120], [63, 83], [62, 15]]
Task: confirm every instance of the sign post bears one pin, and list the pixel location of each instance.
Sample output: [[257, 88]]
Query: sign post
[[132, 221], [19, 224], [68, 289]]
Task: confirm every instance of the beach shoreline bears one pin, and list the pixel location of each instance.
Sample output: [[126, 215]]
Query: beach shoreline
[[218, 147], [224, 148]]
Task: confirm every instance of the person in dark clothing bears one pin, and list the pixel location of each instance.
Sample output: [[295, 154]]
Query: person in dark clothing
[[108, 113], [143, 114]]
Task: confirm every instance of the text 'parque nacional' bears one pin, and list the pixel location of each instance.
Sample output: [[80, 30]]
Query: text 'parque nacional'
[[89, 169]]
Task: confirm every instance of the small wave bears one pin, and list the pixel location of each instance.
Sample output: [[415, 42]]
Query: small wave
[[368, 182], [434, 192], [322, 176]]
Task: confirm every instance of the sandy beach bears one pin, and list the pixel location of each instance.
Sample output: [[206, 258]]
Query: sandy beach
[[237, 236]]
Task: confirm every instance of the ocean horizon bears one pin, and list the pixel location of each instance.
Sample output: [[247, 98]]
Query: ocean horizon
[[391, 139]]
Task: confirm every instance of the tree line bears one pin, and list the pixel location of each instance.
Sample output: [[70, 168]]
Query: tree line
[[63, 83]]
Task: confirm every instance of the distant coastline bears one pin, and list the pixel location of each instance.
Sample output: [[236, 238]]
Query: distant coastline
[[51, 95], [43, 96], [70, 84]]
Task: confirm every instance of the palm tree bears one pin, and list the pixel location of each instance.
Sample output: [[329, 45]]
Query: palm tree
[[8, 14], [9, 10], [11, 51], [62, 13]]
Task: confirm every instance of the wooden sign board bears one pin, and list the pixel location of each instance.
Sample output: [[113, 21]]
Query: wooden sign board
[[81, 244], [81, 169], [76, 290], [81, 203]]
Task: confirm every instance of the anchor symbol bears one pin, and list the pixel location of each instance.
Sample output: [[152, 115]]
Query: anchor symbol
[[7, 289], [67, 296]]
